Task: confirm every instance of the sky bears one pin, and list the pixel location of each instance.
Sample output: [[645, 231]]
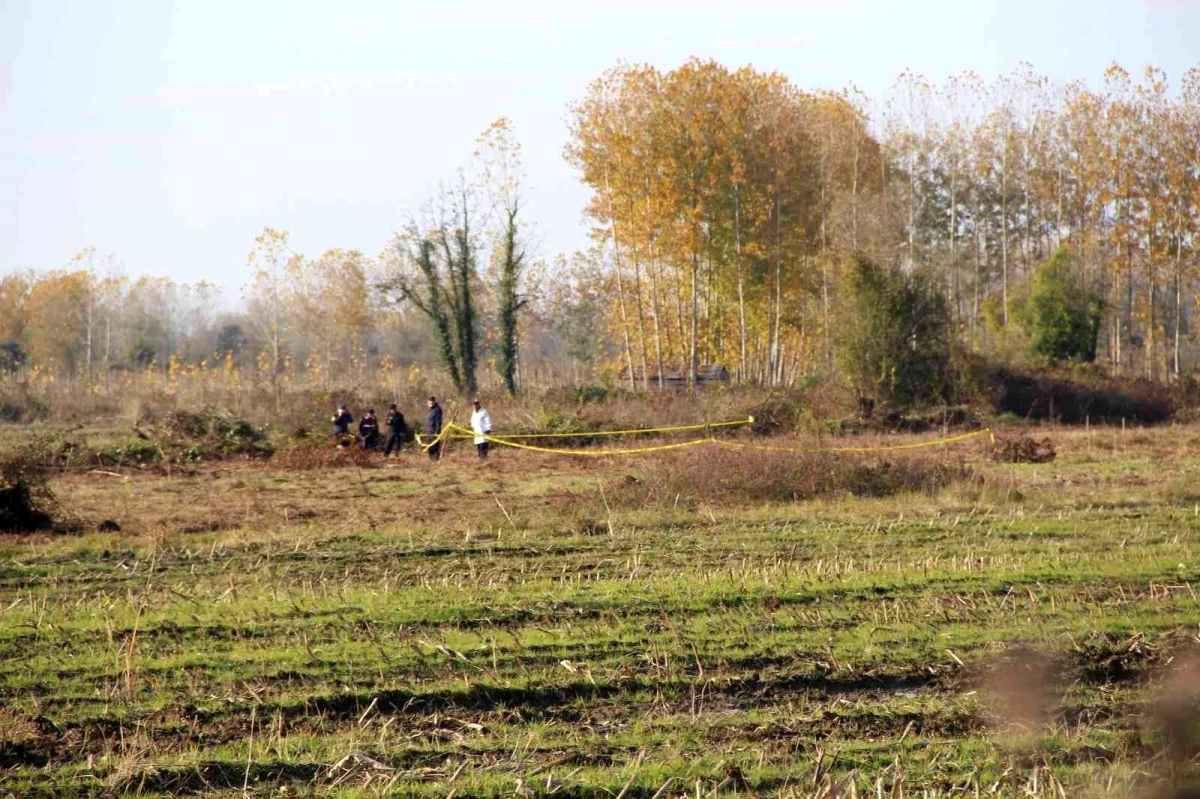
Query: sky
[[170, 132]]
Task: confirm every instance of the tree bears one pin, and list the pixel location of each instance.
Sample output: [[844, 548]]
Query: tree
[[14, 295], [231, 340], [56, 331], [1061, 315], [436, 274], [267, 258], [501, 156], [894, 345]]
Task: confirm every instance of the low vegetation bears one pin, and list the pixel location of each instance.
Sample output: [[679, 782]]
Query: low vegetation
[[927, 623]]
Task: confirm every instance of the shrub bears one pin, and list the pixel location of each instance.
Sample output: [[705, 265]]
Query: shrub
[[26, 502], [894, 345], [1060, 315], [23, 408], [1072, 396], [12, 357]]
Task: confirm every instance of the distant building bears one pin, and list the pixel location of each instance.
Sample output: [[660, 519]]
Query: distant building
[[709, 374]]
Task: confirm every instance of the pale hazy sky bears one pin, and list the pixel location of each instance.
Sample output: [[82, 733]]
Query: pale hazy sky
[[170, 133]]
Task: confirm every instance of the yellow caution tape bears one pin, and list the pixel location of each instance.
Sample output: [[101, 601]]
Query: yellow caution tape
[[455, 431], [638, 431], [597, 452], [437, 439]]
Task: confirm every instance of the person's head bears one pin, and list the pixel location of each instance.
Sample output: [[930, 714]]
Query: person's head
[[392, 407], [475, 404], [432, 401], [341, 407], [371, 411]]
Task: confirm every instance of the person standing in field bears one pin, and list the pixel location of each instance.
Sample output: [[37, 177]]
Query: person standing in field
[[481, 426], [396, 431], [433, 427], [341, 422], [368, 430]]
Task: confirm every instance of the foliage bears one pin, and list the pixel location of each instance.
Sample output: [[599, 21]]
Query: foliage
[[1075, 396], [444, 261], [894, 343], [12, 357], [27, 504], [1060, 315]]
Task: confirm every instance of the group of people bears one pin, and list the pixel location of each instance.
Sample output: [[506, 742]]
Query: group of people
[[369, 434]]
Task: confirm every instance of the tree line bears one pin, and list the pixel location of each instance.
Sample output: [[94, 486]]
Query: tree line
[[727, 208], [452, 288], [729, 203]]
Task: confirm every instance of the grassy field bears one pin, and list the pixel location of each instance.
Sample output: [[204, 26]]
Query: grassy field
[[542, 625]]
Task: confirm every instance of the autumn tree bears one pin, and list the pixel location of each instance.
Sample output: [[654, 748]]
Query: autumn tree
[[267, 260]]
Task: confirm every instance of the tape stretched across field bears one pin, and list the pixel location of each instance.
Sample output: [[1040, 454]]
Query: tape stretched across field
[[454, 431]]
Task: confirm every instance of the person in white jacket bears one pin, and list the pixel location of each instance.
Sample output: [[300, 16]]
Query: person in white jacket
[[481, 425]]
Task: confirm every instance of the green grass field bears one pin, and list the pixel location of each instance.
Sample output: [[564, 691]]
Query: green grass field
[[536, 625]]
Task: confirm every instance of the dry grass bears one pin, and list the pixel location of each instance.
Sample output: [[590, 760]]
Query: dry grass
[[491, 628], [720, 474]]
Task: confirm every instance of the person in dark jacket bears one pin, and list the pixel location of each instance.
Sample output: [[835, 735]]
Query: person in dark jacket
[[433, 427], [368, 430], [341, 422], [396, 429]]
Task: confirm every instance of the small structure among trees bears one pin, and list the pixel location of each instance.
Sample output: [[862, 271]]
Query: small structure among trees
[[707, 374]]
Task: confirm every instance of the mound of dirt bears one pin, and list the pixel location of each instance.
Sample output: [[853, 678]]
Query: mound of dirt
[[211, 435], [1024, 450]]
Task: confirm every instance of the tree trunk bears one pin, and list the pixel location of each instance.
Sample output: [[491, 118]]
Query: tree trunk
[[825, 248], [692, 362], [653, 267], [954, 298], [107, 344], [90, 308], [854, 191], [1004, 230], [980, 241], [1178, 296], [773, 356], [637, 289], [624, 315], [912, 214], [658, 356], [741, 279], [612, 218], [883, 192]]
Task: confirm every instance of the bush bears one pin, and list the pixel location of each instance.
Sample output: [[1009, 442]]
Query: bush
[[1060, 315], [12, 357], [26, 501], [23, 408], [1073, 396], [894, 346]]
